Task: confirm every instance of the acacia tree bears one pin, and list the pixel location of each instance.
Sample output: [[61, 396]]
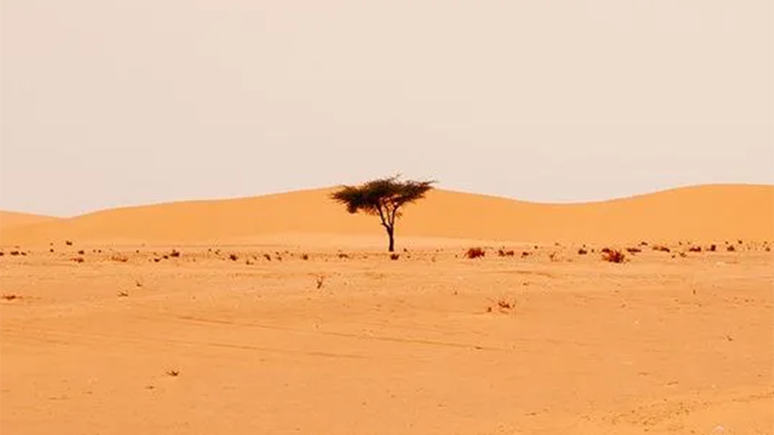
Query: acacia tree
[[383, 197]]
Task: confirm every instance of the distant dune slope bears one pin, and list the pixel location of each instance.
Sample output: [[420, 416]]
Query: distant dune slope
[[11, 219], [702, 213]]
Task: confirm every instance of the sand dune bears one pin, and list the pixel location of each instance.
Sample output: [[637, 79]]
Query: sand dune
[[702, 213], [12, 219]]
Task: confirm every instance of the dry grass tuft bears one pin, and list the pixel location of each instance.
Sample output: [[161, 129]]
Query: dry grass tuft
[[613, 256], [504, 253], [394, 256], [475, 253]]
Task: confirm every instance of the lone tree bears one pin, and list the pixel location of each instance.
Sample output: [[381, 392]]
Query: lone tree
[[383, 197]]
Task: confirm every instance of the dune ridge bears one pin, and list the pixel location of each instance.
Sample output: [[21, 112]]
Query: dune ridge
[[13, 219], [698, 213]]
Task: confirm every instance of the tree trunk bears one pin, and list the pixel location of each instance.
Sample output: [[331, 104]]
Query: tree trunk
[[391, 234]]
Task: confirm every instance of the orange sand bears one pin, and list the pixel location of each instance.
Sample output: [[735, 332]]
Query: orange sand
[[238, 339], [705, 213]]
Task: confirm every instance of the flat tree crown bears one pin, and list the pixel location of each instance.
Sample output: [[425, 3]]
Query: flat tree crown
[[383, 194]]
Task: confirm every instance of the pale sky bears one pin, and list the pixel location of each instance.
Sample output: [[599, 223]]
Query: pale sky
[[112, 102]]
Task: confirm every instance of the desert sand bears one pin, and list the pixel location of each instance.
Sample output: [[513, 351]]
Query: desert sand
[[11, 219], [282, 314]]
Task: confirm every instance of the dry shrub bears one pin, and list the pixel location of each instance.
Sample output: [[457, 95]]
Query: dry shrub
[[712, 248], [68, 243], [504, 253], [524, 254], [267, 257], [123, 294], [343, 255], [320, 281], [120, 258], [15, 253], [613, 256], [694, 249], [475, 253], [730, 248], [304, 256], [81, 252], [661, 248], [175, 253], [10, 297], [233, 257], [502, 305], [633, 250], [394, 256], [78, 259], [582, 251]]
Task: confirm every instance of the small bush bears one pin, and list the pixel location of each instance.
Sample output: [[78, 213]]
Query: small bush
[[120, 258], [343, 255], [694, 249], [320, 281], [81, 252], [524, 254], [661, 248], [15, 253], [304, 256], [78, 259], [730, 248], [475, 253], [173, 373], [712, 248], [9, 297], [68, 243], [504, 253], [123, 294], [613, 256], [582, 251], [633, 250], [175, 253], [51, 250], [233, 257], [267, 257], [394, 256]]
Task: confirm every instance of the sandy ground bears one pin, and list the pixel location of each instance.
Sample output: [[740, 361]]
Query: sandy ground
[[432, 343]]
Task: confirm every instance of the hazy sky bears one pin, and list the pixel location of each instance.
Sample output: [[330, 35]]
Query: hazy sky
[[115, 102]]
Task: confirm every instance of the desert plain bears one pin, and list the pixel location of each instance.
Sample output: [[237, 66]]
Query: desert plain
[[284, 315]]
